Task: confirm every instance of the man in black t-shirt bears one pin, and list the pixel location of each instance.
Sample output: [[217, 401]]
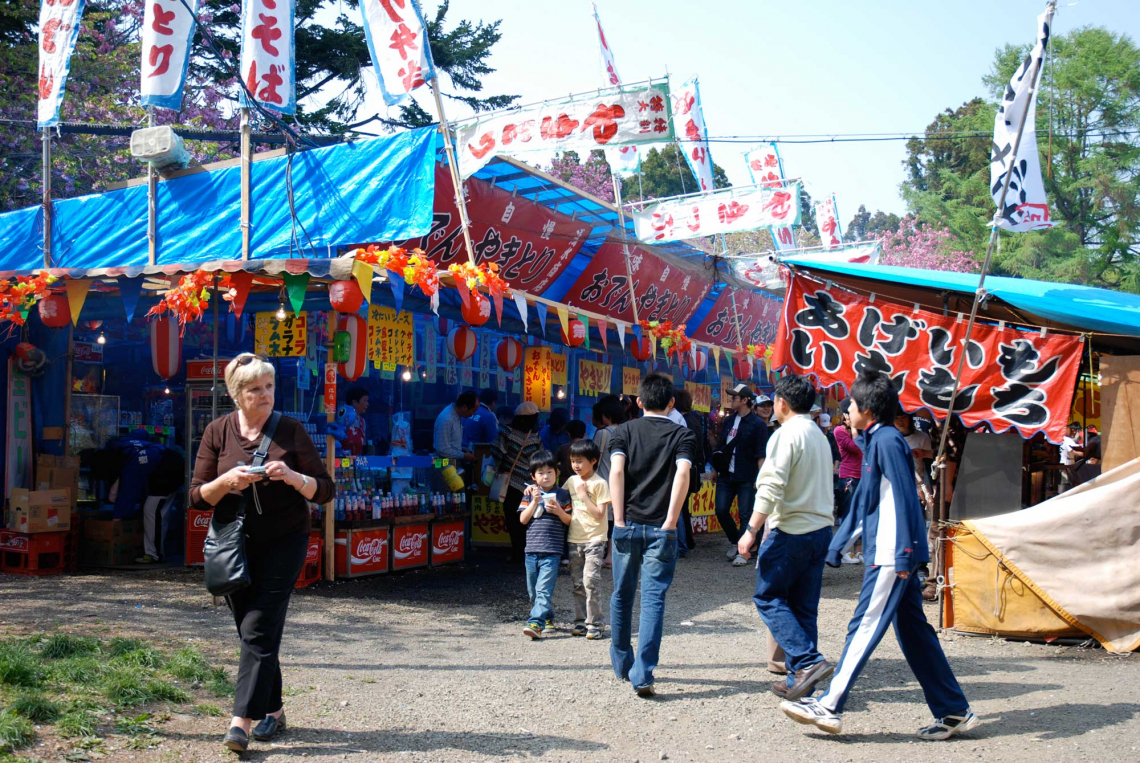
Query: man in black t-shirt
[[649, 483]]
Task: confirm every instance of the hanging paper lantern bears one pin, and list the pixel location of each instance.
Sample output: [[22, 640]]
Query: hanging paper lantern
[[55, 312], [461, 342], [93, 325], [477, 311], [742, 369], [357, 330], [345, 296], [699, 361], [165, 346], [577, 334], [509, 353], [641, 348]]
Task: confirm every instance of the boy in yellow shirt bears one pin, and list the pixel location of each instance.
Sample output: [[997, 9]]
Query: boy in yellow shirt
[[588, 529]]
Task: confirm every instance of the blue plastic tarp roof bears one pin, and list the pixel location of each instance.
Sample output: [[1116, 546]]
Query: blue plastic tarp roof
[[1083, 307], [380, 189]]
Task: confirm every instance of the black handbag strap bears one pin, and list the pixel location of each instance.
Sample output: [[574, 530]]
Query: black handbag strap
[[262, 451]]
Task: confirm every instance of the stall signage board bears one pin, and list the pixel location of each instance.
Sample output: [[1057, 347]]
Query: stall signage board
[[702, 508], [391, 338], [594, 379], [702, 396], [18, 463], [488, 524], [203, 370], [759, 319], [280, 339], [447, 542], [330, 387], [365, 551], [409, 546], [630, 380], [558, 369], [537, 374], [88, 352]]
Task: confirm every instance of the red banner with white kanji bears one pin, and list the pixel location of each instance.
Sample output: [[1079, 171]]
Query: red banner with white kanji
[[664, 292], [759, 320], [532, 244], [1013, 378]]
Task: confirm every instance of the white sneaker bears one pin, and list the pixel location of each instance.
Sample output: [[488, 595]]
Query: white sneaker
[[809, 712], [944, 728], [850, 558], [731, 554], [739, 561]]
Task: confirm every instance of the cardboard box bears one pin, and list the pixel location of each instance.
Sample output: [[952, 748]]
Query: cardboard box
[[39, 511], [58, 473], [111, 531], [111, 542]]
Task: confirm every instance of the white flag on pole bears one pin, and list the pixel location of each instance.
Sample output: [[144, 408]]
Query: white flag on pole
[[1026, 207], [267, 54], [398, 42], [827, 220], [168, 29], [689, 125], [59, 29], [766, 168], [624, 160]]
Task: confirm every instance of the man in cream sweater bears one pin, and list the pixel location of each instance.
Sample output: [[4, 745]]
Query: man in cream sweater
[[794, 495]]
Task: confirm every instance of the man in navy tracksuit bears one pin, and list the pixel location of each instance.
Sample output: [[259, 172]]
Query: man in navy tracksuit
[[885, 510]]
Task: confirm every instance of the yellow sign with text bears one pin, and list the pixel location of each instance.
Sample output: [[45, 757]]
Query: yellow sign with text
[[702, 396], [630, 380], [558, 369], [537, 376], [594, 379], [391, 337], [280, 339]]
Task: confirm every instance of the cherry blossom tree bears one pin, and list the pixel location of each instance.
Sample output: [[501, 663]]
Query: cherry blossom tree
[[926, 246], [591, 176]]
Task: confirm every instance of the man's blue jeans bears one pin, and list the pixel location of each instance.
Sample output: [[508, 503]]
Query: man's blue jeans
[[745, 495], [647, 553], [541, 575], [789, 578]]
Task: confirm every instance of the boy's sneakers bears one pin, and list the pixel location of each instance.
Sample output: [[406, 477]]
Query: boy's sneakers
[[731, 554], [534, 630], [944, 728], [646, 692], [579, 629], [549, 625], [809, 712], [851, 558], [593, 633], [739, 561]]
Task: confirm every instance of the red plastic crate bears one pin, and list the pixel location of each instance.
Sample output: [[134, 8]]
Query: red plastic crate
[[197, 526], [311, 572], [32, 553]]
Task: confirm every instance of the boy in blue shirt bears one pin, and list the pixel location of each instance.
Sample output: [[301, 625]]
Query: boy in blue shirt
[[544, 512], [885, 510]]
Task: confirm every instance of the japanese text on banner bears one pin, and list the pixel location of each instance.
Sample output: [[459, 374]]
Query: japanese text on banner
[[759, 318], [623, 161], [630, 380], [689, 125], [558, 369], [392, 337], [59, 29], [398, 42], [725, 211], [1012, 378], [766, 168], [594, 379], [537, 376], [280, 339], [702, 396], [167, 31], [827, 220], [267, 66], [618, 117]]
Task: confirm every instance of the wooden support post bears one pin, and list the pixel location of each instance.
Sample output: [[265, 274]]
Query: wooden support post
[[151, 207], [47, 197], [246, 162]]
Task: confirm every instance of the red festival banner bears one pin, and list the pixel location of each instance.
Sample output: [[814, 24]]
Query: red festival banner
[[759, 320], [665, 292], [1012, 379], [532, 244]]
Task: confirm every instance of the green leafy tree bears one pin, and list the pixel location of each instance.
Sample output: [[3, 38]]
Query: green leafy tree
[[665, 173]]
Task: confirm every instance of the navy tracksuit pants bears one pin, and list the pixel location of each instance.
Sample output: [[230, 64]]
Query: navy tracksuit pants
[[887, 599]]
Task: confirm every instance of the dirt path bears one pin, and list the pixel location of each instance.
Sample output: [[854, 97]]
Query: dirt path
[[432, 666]]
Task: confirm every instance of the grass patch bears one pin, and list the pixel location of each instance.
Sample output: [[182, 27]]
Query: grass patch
[[15, 732], [82, 670], [19, 665], [127, 687], [78, 721], [35, 707], [60, 646], [209, 711], [188, 664], [135, 653]]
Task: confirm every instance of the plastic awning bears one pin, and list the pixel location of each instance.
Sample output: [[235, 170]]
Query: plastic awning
[[1083, 308]]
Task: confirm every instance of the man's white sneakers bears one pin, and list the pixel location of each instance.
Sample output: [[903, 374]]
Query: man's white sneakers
[[809, 712]]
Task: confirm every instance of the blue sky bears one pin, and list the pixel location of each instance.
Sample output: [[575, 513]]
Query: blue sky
[[783, 68]]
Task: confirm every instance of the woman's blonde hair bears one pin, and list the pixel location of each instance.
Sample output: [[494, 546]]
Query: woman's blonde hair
[[243, 369]]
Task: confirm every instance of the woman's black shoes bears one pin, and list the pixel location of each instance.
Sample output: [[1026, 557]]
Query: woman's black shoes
[[269, 728], [236, 739]]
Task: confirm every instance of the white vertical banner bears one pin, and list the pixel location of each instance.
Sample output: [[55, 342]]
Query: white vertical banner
[[485, 361], [398, 41], [1026, 206], [689, 127], [168, 29], [767, 168], [267, 54], [59, 29], [623, 160], [827, 220]]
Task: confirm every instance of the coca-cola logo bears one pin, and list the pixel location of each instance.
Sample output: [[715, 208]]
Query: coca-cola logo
[[313, 553], [369, 551], [201, 522], [14, 541], [411, 544], [448, 542]]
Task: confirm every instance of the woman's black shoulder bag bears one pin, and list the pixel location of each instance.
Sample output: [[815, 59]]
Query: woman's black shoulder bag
[[226, 568]]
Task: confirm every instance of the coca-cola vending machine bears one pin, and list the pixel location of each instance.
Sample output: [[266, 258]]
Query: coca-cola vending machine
[[410, 546], [361, 552], [447, 542], [197, 526]]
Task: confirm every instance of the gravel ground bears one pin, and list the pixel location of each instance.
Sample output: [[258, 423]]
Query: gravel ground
[[432, 665]]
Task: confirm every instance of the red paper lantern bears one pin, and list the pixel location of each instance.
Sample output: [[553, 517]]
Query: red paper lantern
[[55, 312], [509, 353], [641, 348], [477, 311], [699, 361], [345, 296], [461, 342], [165, 346], [95, 324], [357, 330], [577, 333], [742, 369]]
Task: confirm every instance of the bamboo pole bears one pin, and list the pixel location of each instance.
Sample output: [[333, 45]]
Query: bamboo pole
[[625, 245], [453, 165], [48, 213], [151, 207], [245, 181]]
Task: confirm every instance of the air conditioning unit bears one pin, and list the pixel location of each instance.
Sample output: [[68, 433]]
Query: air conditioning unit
[[160, 146]]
